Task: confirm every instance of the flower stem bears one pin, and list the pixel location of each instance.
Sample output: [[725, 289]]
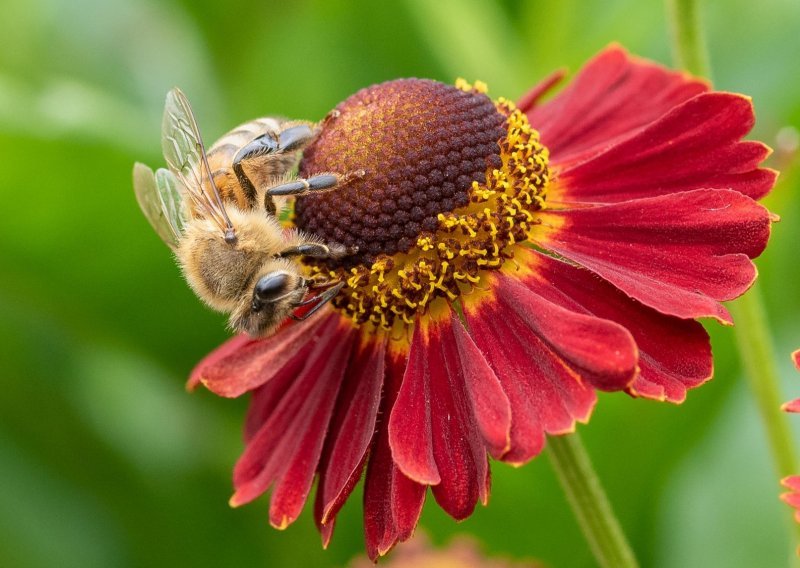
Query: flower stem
[[752, 331], [758, 357], [688, 45], [589, 502]]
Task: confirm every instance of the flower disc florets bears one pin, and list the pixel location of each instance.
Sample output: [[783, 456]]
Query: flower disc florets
[[453, 180]]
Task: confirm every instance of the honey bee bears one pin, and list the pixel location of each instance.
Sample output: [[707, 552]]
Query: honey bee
[[217, 211]]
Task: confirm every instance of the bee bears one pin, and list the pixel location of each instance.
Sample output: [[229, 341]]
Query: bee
[[217, 211]]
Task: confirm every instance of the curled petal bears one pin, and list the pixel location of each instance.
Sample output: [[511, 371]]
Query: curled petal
[[392, 501], [243, 364], [228, 348], [674, 354], [465, 404], [614, 94], [542, 366], [695, 145], [410, 423], [681, 254]]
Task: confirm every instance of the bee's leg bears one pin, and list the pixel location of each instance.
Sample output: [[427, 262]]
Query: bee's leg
[[315, 184], [260, 146], [296, 137], [318, 250], [318, 301]]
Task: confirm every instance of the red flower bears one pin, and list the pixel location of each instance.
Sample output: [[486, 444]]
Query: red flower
[[503, 275], [792, 497], [793, 405]]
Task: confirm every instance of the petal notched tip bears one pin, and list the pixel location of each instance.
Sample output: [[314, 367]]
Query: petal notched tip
[[792, 406]]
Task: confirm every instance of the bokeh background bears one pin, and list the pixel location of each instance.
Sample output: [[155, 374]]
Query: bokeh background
[[105, 460]]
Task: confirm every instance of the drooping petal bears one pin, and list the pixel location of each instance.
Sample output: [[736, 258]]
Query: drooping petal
[[243, 364], [613, 95], [410, 423], [674, 354], [463, 400], [681, 254], [695, 145], [220, 353], [352, 428], [544, 356], [266, 398], [490, 404], [286, 450], [392, 501]]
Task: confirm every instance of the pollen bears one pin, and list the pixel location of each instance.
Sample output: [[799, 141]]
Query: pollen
[[473, 167]]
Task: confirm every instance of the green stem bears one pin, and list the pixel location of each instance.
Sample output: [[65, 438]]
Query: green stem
[[758, 357], [589, 502], [688, 44], [752, 330]]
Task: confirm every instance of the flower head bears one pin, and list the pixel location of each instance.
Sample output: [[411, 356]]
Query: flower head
[[512, 260]]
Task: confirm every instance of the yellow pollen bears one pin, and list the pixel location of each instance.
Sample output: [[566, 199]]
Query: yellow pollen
[[451, 261]]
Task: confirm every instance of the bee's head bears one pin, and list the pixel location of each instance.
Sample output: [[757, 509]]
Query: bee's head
[[274, 292]]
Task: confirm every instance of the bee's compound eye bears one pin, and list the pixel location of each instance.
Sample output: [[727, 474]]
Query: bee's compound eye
[[271, 286]]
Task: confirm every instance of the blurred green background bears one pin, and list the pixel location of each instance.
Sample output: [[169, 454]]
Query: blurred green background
[[106, 461]]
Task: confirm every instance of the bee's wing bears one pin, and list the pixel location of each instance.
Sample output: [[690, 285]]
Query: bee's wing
[[186, 157], [161, 201]]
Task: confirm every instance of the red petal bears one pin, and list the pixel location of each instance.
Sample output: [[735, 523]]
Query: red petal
[[599, 350], [410, 428], [286, 449], [265, 398], [674, 354], [796, 359], [791, 482], [254, 362], [448, 399], [681, 254], [458, 448], [695, 145], [792, 499], [220, 353], [611, 96], [546, 396], [490, 404], [392, 502], [352, 428], [791, 406]]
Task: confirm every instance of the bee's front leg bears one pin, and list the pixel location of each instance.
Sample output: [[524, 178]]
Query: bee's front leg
[[318, 250], [315, 184]]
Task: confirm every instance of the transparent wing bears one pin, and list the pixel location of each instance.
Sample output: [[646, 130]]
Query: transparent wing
[[186, 157], [161, 202]]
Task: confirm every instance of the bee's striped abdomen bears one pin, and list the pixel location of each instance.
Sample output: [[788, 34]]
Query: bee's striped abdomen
[[223, 151]]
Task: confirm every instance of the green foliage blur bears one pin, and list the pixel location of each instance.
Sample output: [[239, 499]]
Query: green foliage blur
[[105, 460]]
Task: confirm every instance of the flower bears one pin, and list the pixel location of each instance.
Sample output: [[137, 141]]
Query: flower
[[792, 497], [792, 482], [793, 405], [512, 260]]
